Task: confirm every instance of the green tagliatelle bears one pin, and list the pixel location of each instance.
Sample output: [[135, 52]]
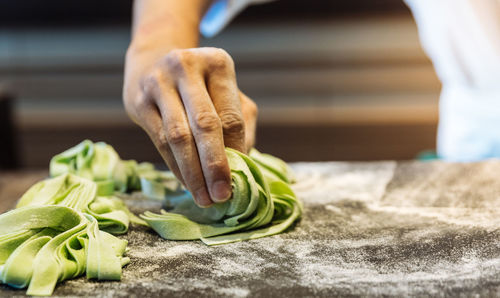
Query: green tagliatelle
[[59, 231], [262, 198], [80, 194], [100, 162], [62, 227], [42, 245], [262, 204]]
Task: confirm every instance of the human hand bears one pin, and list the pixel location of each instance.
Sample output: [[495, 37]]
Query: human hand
[[190, 105]]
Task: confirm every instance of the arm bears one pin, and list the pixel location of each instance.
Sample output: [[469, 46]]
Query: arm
[[186, 98]]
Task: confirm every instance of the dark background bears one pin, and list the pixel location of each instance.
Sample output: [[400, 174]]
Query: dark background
[[334, 80], [113, 12]]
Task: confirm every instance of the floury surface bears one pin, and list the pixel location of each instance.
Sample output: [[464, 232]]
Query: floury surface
[[378, 229]]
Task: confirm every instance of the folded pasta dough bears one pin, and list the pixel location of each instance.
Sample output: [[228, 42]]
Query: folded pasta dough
[[62, 227], [262, 204], [100, 162], [43, 245], [81, 194]]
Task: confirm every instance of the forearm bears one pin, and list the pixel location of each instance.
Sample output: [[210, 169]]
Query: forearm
[[162, 25], [159, 26]]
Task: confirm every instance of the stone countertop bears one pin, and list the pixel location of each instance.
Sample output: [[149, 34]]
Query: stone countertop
[[378, 229]]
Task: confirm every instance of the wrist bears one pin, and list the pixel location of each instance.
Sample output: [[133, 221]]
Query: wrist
[[164, 34]]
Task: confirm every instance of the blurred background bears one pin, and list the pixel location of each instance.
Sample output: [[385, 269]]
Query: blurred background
[[334, 80]]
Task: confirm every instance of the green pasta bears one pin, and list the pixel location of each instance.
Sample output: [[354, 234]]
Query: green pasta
[[42, 245], [81, 194], [63, 227], [262, 204], [100, 162]]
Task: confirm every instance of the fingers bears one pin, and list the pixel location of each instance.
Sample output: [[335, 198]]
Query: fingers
[[145, 113], [194, 109], [207, 132], [224, 93], [179, 140]]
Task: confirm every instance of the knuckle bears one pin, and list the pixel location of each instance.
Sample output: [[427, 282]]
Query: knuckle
[[178, 61], [138, 107], [162, 142], [215, 167], [151, 81], [232, 123], [177, 135], [206, 122], [221, 53], [141, 104], [220, 60]]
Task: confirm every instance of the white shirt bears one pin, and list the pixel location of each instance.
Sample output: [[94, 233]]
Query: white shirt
[[462, 38]]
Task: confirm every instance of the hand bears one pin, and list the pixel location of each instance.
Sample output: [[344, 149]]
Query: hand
[[190, 106]]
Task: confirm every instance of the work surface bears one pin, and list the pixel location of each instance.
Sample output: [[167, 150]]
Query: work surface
[[377, 229]]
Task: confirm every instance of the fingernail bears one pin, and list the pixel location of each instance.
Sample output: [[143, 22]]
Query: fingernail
[[221, 191], [202, 199]]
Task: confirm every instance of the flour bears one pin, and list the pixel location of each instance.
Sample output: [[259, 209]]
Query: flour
[[489, 219], [322, 183], [375, 236], [234, 292]]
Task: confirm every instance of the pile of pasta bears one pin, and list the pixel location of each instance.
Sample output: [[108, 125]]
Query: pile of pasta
[[66, 226]]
